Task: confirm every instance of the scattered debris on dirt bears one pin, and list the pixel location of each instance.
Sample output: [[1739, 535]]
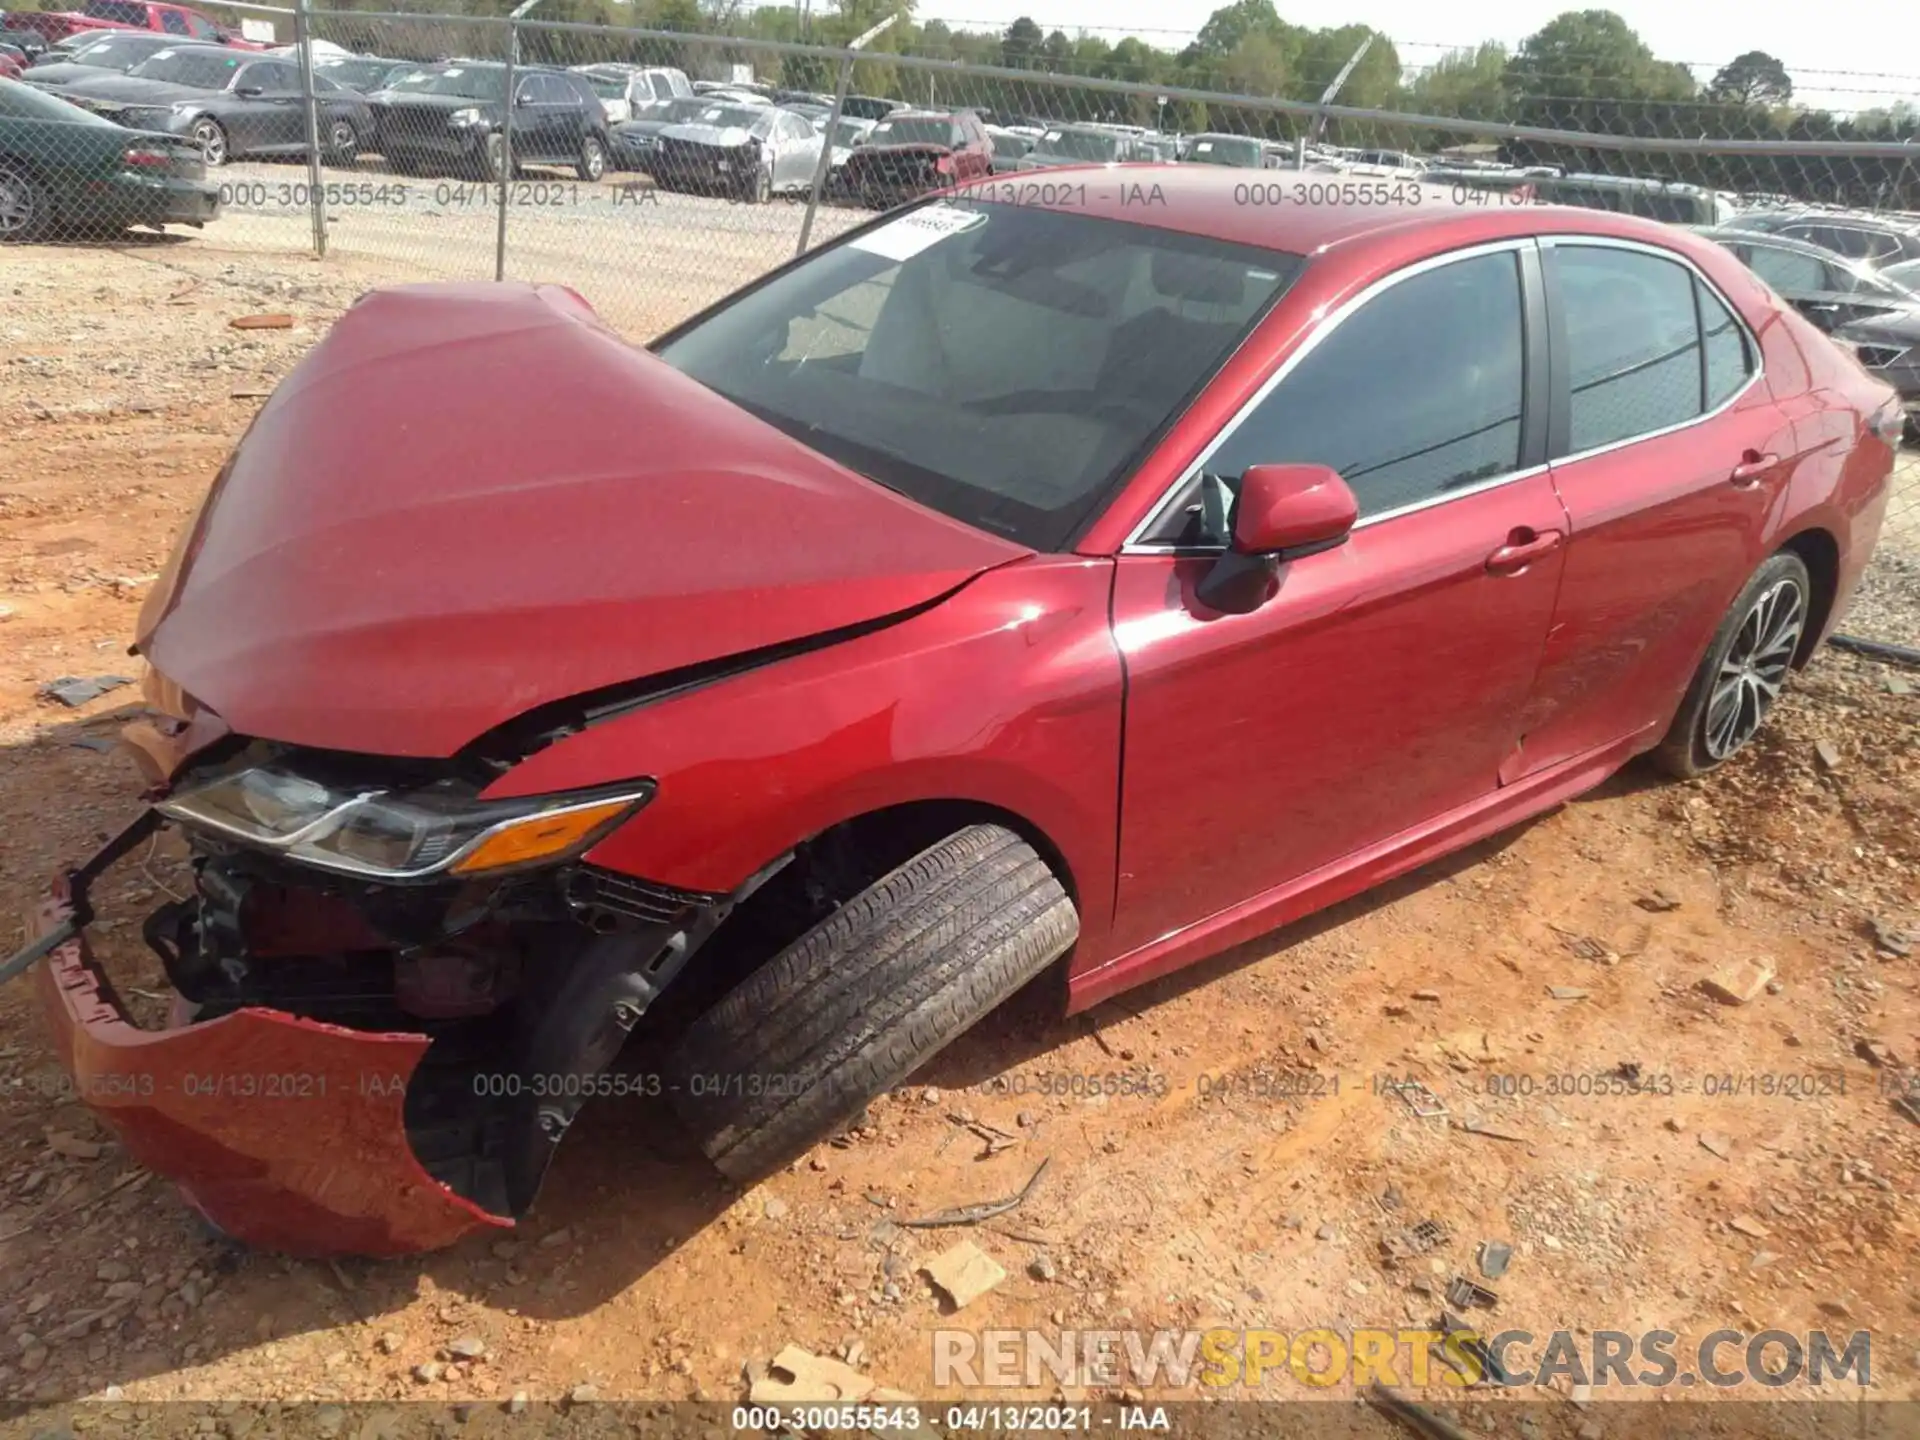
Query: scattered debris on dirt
[[964, 1273]]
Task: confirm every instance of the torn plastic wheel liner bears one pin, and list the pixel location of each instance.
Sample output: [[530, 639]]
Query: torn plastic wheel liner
[[324, 1090]]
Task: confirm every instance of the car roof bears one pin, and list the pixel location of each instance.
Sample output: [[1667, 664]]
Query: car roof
[[1858, 219], [1209, 201]]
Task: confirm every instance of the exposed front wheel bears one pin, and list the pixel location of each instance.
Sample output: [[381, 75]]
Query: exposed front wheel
[[212, 140], [1743, 670], [866, 997]]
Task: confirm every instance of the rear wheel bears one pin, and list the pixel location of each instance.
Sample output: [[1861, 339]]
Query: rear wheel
[[212, 140], [342, 142], [867, 996], [25, 209], [593, 159], [1743, 671]]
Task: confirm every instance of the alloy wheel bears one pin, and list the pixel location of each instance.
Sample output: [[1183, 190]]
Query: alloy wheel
[[212, 141], [1754, 667], [19, 205], [341, 141]]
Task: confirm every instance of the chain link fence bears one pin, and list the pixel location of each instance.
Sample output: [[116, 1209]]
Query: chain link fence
[[657, 171]]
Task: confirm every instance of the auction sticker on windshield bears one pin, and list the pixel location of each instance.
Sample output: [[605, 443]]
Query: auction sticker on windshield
[[906, 237]]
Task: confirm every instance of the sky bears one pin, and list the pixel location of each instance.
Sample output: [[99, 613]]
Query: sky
[[1842, 54]]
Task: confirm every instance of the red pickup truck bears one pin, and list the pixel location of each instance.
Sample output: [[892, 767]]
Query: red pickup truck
[[178, 20]]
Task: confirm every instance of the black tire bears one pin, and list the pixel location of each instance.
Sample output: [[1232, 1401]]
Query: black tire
[[493, 152], [1690, 747], [866, 997], [592, 163], [211, 137], [759, 189], [26, 210]]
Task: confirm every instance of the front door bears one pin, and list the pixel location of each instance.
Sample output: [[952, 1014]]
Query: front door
[[1382, 685]]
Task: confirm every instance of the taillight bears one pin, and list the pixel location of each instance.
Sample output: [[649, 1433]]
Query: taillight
[[147, 157], [1890, 422]]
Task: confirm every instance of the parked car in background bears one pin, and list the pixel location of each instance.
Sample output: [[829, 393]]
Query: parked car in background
[[1057, 588], [452, 118], [1009, 148], [30, 43], [1905, 273], [630, 144], [1667, 200], [229, 104], [63, 167], [1867, 311], [115, 53], [746, 152], [913, 151], [1242, 152], [1079, 145], [176, 20], [629, 92], [870, 107], [362, 74], [1880, 239], [848, 134]]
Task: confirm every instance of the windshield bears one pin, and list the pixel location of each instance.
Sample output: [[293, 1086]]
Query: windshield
[[23, 102], [927, 130], [469, 82], [1081, 144], [865, 107], [849, 132], [1226, 150], [1004, 364], [119, 52], [354, 72], [607, 89], [1011, 147], [733, 117], [201, 69]]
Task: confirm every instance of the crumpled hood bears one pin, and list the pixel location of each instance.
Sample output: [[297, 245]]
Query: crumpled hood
[[471, 500]]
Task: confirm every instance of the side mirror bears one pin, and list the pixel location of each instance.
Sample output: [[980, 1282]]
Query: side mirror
[[249, 92], [1283, 512], [523, 98]]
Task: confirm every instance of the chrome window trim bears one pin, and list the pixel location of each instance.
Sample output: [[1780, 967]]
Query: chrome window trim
[[1659, 252], [1134, 545]]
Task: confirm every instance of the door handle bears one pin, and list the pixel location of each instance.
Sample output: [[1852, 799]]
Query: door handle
[[1523, 547], [1752, 468]]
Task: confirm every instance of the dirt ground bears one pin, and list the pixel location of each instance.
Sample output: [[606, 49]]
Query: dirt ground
[[1224, 1196]]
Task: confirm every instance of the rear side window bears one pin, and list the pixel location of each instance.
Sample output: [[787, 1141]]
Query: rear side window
[[1633, 343], [1728, 358], [1787, 271], [1414, 395]]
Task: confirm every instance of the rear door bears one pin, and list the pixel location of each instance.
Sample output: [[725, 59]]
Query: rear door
[[1669, 457], [1382, 686]]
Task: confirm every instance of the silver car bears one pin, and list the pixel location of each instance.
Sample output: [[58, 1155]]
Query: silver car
[[748, 152]]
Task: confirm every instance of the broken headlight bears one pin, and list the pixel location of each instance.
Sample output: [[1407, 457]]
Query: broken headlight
[[399, 835]]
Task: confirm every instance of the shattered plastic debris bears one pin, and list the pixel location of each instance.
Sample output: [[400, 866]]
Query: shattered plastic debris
[[74, 691]]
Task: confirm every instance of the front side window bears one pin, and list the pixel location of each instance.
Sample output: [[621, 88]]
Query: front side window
[[201, 28], [173, 22], [1002, 364], [469, 82], [1633, 342], [120, 12], [1412, 396]]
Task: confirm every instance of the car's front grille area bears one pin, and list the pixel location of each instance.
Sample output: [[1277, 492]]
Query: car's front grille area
[[591, 889]]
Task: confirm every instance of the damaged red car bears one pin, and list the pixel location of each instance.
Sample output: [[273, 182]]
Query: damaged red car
[[1004, 590]]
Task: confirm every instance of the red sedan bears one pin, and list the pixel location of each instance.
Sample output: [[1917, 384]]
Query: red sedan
[[1080, 580]]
